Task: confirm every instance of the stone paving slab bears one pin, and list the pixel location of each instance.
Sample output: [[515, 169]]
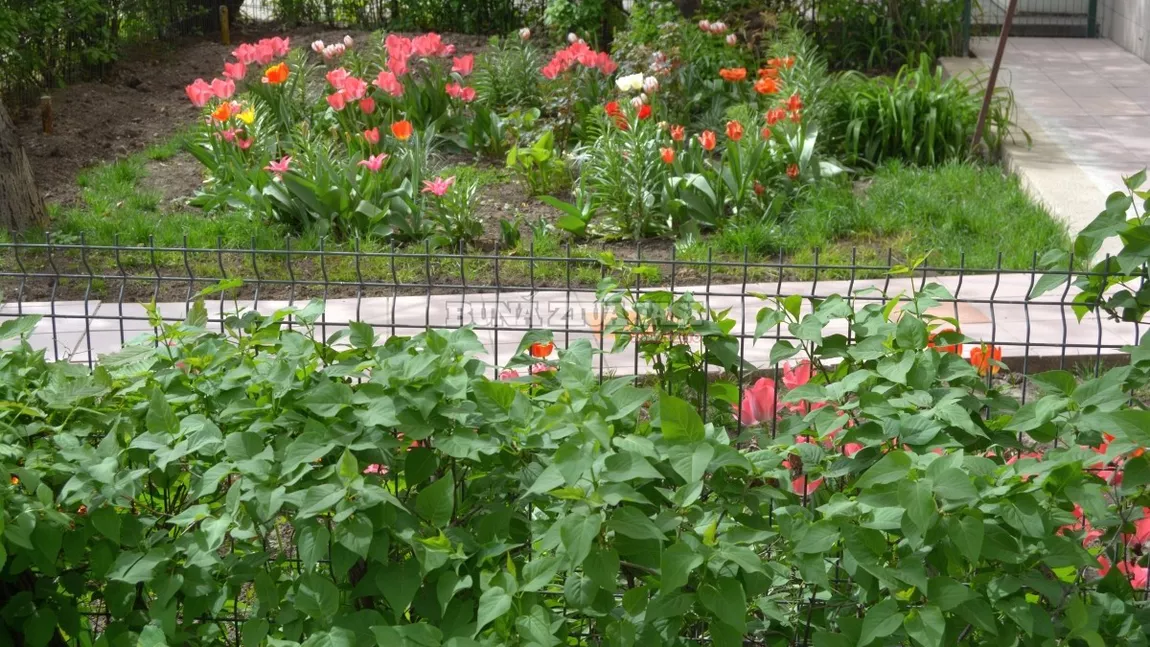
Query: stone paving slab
[[1086, 105], [1036, 334]]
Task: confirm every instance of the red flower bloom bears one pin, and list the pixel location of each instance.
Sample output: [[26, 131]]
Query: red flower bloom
[[707, 140], [794, 103], [678, 133], [759, 188], [541, 350], [955, 348], [277, 74], [733, 74], [765, 133], [612, 109], [668, 154], [793, 171], [401, 130], [981, 359], [775, 115], [644, 111], [766, 85], [734, 130]]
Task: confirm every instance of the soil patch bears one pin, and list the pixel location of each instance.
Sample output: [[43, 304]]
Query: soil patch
[[175, 179]]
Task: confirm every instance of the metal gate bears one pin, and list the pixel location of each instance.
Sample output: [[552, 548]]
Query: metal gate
[[1055, 18]]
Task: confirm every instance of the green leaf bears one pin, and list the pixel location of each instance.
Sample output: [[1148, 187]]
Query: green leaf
[[362, 334], [151, 636], [918, 501], [40, 629], [678, 562], [317, 596], [160, 418], [20, 326], [926, 626], [134, 568], [539, 572], [578, 532], [880, 621], [679, 420], [492, 604], [967, 534], [436, 502], [420, 463], [602, 566], [947, 594], [399, 583], [631, 522], [890, 468], [535, 626], [817, 538], [691, 462], [727, 602]]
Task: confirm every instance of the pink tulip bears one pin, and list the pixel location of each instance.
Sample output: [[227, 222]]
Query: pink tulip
[[387, 82], [245, 53], [850, 449], [354, 88], [265, 52], [803, 486], [468, 95], [371, 135], [398, 46], [525, 34], [243, 143], [1139, 575], [367, 105], [605, 64], [235, 71], [454, 90], [398, 66], [798, 375], [199, 92], [427, 45], [463, 64], [281, 46], [448, 50], [732, 40], [376, 468], [438, 186], [317, 46], [228, 134], [224, 89], [374, 163], [280, 167], [758, 402], [540, 367], [1141, 529], [337, 100], [509, 374], [337, 77]]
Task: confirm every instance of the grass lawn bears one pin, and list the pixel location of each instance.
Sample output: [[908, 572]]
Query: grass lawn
[[959, 214]]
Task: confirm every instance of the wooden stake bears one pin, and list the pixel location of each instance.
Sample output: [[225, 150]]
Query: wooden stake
[[46, 113], [225, 34], [993, 79]]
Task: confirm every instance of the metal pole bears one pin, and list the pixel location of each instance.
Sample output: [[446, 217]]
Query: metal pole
[[966, 21], [1006, 22], [1092, 19]]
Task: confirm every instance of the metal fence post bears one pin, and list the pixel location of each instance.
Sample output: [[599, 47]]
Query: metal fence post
[[1092, 19], [966, 23]]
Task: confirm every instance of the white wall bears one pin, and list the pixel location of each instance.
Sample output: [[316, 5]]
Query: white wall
[[1127, 23]]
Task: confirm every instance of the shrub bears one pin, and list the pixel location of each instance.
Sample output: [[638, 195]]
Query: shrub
[[885, 34], [916, 116]]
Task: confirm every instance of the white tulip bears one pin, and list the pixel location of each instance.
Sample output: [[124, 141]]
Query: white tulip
[[637, 102], [704, 25], [630, 83], [348, 41], [650, 85], [525, 34], [572, 38], [317, 47], [732, 40]]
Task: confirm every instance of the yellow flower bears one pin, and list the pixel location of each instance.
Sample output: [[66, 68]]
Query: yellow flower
[[247, 116]]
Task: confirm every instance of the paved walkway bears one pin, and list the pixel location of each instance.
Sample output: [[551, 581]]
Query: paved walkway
[[1035, 335], [1086, 104]]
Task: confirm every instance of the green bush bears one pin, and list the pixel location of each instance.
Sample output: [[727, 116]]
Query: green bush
[[917, 116], [885, 34]]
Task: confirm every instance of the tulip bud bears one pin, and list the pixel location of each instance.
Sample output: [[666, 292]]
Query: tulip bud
[[525, 34], [650, 85], [572, 38], [704, 25], [732, 40], [637, 102], [317, 47], [348, 41]]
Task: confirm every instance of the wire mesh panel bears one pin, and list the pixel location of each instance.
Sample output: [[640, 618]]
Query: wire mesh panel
[[1057, 18], [93, 297]]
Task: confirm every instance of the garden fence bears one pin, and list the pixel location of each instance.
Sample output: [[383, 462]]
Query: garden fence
[[92, 296]]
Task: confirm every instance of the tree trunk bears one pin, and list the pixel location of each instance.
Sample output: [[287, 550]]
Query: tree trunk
[[20, 203]]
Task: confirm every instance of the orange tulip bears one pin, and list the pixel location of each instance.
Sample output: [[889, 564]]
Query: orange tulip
[[981, 359], [733, 74], [707, 140], [795, 103], [765, 133], [401, 130], [541, 350], [955, 348], [668, 154], [222, 113], [678, 133], [766, 86], [775, 115], [277, 74], [734, 131], [793, 171], [768, 73], [787, 62]]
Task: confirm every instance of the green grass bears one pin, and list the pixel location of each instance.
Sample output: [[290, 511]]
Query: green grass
[[958, 212]]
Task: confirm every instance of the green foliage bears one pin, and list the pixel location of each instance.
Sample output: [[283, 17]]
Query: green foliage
[[507, 74], [886, 34], [385, 492], [917, 116], [539, 165], [458, 16], [1116, 282]]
